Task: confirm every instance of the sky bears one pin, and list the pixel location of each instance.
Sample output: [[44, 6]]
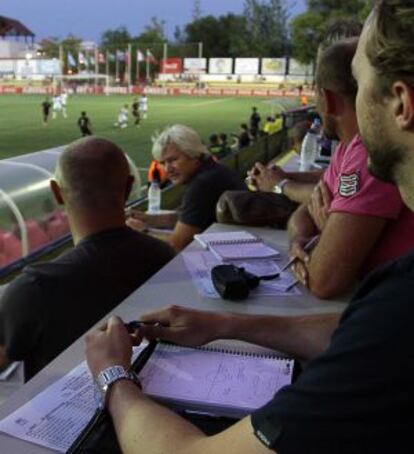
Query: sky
[[89, 18]]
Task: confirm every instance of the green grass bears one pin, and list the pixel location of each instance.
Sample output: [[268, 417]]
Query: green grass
[[21, 129]]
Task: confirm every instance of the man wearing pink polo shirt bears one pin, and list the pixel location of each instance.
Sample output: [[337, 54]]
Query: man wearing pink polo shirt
[[362, 221]]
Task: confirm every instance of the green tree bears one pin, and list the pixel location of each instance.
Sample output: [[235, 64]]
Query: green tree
[[50, 47], [308, 29], [267, 27], [206, 30], [117, 38], [223, 36]]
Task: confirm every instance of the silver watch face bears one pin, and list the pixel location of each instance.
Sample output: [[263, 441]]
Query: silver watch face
[[277, 189]]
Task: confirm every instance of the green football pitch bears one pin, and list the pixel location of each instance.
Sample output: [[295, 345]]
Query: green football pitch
[[22, 131]]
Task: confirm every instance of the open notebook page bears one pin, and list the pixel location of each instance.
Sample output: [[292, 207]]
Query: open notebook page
[[220, 382]]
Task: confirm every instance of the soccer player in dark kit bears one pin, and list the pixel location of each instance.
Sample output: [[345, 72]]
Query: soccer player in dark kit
[[84, 125], [135, 112], [46, 105]]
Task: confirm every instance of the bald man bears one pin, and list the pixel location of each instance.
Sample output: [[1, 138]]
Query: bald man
[[51, 304]]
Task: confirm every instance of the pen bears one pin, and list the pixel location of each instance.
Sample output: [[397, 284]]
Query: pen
[[308, 246], [290, 286], [136, 324]]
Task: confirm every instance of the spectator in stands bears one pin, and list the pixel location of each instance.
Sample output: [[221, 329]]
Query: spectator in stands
[[267, 127], [357, 393], [347, 207], [188, 162], [244, 139], [214, 146], [362, 222], [225, 147], [51, 304], [254, 122], [277, 123]]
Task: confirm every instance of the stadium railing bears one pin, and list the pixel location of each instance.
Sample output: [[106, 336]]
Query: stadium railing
[[263, 150]]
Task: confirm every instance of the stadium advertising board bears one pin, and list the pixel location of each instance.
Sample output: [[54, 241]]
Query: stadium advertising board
[[274, 66], [220, 66], [6, 67], [172, 66], [49, 67], [195, 65], [247, 66], [26, 68], [298, 69]]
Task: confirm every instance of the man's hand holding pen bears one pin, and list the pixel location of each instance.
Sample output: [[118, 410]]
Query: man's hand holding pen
[[300, 257]]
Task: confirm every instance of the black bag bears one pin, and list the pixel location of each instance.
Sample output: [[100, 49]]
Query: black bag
[[261, 209], [232, 282]]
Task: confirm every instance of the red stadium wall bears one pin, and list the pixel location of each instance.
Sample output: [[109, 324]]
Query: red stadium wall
[[100, 90]]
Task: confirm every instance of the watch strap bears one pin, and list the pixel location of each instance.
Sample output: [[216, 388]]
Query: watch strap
[[279, 187], [111, 375]]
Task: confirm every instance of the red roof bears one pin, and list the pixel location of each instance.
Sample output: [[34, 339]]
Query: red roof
[[12, 27]]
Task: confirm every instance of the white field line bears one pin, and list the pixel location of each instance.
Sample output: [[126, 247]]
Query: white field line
[[210, 101]]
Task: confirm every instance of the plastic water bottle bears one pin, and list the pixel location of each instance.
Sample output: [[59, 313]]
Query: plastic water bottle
[[309, 147], [154, 197]]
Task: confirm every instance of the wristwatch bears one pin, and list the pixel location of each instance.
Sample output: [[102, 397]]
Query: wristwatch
[[107, 378], [278, 188]]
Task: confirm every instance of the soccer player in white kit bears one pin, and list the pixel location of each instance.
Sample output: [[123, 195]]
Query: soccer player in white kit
[[143, 106], [64, 101], [56, 106], [122, 118]]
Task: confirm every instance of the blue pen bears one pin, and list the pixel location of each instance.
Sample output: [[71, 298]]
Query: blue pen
[[136, 324]]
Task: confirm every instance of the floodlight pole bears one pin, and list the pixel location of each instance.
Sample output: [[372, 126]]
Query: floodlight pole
[[200, 49], [129, 66], [62, 64]]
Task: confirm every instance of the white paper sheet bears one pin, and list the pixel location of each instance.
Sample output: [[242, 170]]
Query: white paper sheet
[[199, 264], [55, 417]]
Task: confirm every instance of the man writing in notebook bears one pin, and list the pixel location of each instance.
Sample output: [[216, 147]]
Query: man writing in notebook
[[356, 394], [187, 162]]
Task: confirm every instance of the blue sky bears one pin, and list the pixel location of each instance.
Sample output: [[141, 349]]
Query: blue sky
[[89, 18]]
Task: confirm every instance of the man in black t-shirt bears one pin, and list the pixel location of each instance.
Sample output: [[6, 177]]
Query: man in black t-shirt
[[244, 137], [188, 162], [84, 125], [356, 394], [135, 112], [254, 122], [52, 304], [46, 105]]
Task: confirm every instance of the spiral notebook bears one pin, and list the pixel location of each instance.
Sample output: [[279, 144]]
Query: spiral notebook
[[240, 245], [216, 380]]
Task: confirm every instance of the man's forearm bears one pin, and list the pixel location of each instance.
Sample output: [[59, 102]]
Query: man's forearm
[[305, 177], [301, 224], [143, 426], [298, 192], [162, 220], [302, 337]]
